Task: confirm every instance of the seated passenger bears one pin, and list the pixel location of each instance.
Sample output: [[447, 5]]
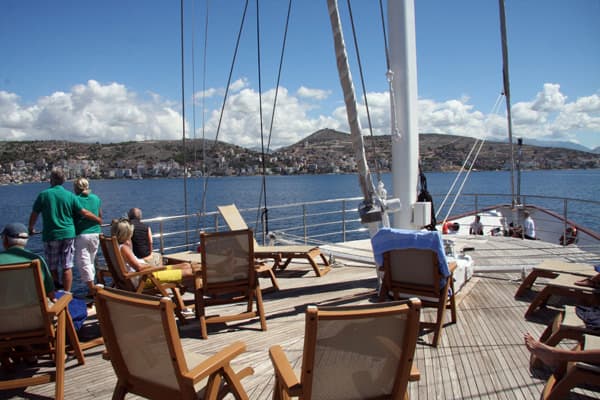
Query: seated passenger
[[476, 226], [141, 240], [122, 229]]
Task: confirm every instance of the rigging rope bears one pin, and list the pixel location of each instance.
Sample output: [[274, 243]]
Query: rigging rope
[[362, 81], [478, 142], [265, 213], [237, 46], [185, 204], [264, 182]]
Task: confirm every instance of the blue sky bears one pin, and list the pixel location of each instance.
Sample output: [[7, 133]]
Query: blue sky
[[110, 71]]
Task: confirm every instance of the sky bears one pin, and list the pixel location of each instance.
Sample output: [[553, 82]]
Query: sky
[[111, 71]]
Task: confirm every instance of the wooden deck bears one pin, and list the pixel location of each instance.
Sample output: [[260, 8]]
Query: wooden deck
[[480, 357]]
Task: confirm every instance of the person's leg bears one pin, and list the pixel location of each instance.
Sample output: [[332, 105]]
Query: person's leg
[[67, 258], [53, 259], [86, 248]]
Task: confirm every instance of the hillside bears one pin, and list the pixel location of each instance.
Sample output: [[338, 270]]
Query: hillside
[[324, 151]]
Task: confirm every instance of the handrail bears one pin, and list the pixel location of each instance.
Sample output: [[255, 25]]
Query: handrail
[[336, 220]]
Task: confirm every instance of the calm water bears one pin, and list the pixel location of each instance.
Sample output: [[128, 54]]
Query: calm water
[[163, 197]]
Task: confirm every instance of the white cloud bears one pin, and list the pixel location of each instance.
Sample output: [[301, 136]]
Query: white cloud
[[316, 94], [99, 112]]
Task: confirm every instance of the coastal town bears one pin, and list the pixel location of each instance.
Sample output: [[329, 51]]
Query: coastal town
[[323, 152]]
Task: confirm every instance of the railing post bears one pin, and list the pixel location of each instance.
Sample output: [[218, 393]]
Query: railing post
[[343, 220], [564, 242], [162, 238], [304, 223]]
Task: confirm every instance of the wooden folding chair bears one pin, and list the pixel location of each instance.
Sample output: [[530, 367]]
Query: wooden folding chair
[[145, 350], [137, 281], [228, 277], [552, 268], [353, 352], [31, 325], [575, 374], [312, 254], [564, 285], [415, 273]]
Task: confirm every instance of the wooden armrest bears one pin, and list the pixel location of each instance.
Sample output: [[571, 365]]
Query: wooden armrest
[[284, 371], [452, 266], [215, 362], [415, 374], [60, 304]]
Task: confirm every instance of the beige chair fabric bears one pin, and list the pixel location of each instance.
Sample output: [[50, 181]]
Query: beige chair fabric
[[31, 325], [551, 268], [415, 272], [228, 277], [312, 254], [356, 352], [145, 350]]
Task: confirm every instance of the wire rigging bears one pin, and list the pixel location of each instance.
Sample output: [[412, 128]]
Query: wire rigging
[[272, 122]]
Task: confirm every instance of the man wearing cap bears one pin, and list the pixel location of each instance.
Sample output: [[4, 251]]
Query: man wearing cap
[[14, 240], [58, 206]]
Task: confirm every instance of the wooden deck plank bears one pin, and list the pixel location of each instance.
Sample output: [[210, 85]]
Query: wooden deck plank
[[480, 357]]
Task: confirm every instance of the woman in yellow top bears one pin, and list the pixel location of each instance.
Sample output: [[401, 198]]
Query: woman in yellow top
[[182, 273]]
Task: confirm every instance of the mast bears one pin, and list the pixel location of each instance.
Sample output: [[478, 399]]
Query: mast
[[506, 83], [370, 213], [404, 112]]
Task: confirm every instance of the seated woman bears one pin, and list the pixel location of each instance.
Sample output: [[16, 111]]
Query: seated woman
[[182, 273]]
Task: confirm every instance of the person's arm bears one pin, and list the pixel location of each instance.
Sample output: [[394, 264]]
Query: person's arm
[[91, 216], [32, 220], [150, 239], [131, 259]]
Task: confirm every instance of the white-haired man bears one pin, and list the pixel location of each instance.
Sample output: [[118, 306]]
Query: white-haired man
[[14, 240]]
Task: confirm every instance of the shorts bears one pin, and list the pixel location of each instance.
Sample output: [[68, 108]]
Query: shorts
[[59, 254], [86, 248], [169, 275]]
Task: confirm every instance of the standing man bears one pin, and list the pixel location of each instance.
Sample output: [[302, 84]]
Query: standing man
[[528, 226], [14, 240], [58, 207], [87, 232]]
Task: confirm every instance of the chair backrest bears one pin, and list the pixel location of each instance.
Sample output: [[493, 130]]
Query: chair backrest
[[115, 263], [23, 306], [359, 352], [418, 268], [228, 257], [142, 341], [233, 218]]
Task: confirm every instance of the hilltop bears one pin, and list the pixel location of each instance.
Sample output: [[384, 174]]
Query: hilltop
[[324, 151]]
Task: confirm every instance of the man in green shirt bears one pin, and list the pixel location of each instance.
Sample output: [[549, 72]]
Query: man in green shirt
[[14, 240], [58, 207]]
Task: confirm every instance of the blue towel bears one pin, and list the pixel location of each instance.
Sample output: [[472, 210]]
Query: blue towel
[[387, 239], [77, 309]]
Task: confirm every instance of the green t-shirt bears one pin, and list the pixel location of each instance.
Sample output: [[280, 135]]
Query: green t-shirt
[[92, 203], [58, 207], [16, 255]]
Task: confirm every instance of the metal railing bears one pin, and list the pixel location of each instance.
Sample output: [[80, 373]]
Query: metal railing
[[337, 220]]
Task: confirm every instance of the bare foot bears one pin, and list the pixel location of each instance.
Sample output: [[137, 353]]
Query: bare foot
[[587, 282], [541, 351]]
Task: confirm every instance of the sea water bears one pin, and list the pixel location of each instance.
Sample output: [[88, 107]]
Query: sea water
[[165, 197]]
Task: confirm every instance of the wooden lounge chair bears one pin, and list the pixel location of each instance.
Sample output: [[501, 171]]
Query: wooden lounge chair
[[145, 350], [551, 268], [576, 374], [228, 277], [415, 273], [235, 221], [32, 326], [353, 352], [136, 281], [564, 285], [566, 325]]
